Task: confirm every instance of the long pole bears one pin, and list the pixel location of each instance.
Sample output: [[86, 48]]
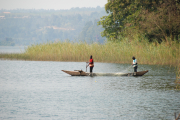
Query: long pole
[[87, 65]]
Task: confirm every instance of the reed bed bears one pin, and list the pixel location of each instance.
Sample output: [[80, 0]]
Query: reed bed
[[111, 52], [178, 77], [14, 56]]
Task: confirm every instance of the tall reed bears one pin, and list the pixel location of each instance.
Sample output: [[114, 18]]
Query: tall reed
[[178, 77], [116, 52]]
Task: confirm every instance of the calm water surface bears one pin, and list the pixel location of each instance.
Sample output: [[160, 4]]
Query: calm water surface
[[12, 49], [40, 90]]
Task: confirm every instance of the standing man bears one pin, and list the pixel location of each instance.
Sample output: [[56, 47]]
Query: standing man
[[134, 64], [91, 64]]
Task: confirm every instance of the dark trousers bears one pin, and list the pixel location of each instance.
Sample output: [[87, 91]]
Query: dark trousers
[[135, 69], [91, 69]]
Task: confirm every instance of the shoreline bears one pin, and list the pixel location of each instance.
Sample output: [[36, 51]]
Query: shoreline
[[24, 57]]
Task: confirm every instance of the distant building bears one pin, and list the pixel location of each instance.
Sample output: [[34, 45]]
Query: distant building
[[6, 12], [2, 17]]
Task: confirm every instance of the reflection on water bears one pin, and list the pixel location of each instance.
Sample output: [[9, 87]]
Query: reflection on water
[[40, 90]]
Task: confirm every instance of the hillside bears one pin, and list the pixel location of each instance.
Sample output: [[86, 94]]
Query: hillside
[[25, 27]]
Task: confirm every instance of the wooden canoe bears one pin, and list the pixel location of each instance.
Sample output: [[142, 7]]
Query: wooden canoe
[[82, 73]]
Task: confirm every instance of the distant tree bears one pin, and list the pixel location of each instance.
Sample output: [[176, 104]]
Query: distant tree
[[37, 25], [7, 42], [92, 32]]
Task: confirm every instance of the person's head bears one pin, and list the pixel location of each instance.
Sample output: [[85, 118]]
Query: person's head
[[91, 57], [133, 58]]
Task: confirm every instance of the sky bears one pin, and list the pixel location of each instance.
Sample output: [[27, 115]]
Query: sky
[[49, 4]]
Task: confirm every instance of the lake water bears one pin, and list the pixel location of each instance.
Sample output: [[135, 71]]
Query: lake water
[[40, 90], [12, 49]]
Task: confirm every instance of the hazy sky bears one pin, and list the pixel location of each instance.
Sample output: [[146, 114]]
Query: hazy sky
[[50, 4]]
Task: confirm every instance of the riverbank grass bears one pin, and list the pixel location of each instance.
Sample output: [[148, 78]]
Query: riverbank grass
[[112, 52], [178, 77], [14, 56]]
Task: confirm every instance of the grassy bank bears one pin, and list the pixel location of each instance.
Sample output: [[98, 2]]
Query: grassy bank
[[120, 52], [15, 56]]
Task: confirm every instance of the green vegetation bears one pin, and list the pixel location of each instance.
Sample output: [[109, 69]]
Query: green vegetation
[[116, 52], [14, 56], [157, 20], [91, 32], [178, 77]]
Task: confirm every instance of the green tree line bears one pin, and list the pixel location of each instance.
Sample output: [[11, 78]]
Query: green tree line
[[157, 20]]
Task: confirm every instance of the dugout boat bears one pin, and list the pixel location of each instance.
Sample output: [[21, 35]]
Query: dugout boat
[[82, 73]]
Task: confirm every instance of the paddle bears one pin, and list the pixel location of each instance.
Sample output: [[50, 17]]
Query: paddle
[[87, 64], [127, 69]]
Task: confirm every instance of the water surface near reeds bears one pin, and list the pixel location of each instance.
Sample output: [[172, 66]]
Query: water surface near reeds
[[40, 90], [12, 49]]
